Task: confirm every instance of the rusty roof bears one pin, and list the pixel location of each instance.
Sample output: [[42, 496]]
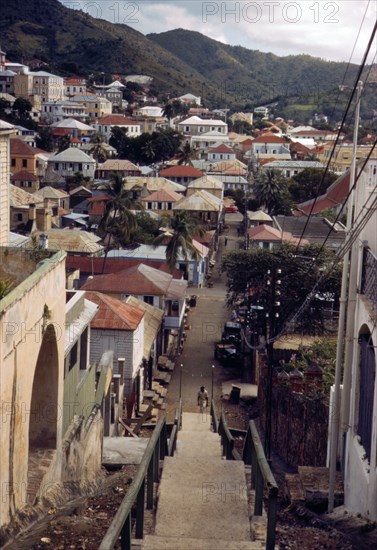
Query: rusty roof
[[139, 280], [113, 313]]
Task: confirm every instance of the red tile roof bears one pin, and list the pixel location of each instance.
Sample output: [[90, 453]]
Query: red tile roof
[[24, 175], [116, 120], [271, 234], [113, 265], [139, 280], [181, 171], [114, 314], [335, 195], [269, 138], [60, 132], [19, 147], [98, 204], [162, 195], [221, 149]]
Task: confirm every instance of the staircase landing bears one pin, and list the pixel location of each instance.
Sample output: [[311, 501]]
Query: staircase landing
[[202, 500]]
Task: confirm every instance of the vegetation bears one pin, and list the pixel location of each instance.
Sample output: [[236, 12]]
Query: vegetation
[[118, 222], [299, 274], [73, 42], [146, 148], [309, 183], [181, 228], [6, 286]]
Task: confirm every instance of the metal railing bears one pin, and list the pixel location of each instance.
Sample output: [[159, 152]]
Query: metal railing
[[261, 478], [147, 474], [261, 475], [369, 277]]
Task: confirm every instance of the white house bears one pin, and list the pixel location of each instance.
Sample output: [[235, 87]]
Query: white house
[[221, 152], [55, 111], [67, 163], [105, 124], [359, 393], [195, 125]]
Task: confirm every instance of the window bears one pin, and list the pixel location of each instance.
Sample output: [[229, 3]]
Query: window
[[72, 359], [56, 166], [18, 217], [367, 373], [148, 300], [149, 206], [159, 206], [170, 205], [24, 163], [80, 167]]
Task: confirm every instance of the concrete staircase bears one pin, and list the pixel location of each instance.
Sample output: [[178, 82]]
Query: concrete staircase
[[202, 500]]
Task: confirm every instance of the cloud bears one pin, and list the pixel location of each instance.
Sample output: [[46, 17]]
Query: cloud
[[326, 29]]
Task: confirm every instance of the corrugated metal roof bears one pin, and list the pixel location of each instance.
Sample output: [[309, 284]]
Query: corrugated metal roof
[[199, 201], [114, 314]]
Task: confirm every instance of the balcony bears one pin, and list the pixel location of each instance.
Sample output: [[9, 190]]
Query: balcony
[[369, 278]]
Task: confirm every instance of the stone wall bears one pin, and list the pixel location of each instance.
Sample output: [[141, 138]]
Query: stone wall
[[299, 417]]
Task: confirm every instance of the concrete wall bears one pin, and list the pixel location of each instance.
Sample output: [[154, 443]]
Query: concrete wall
[[32, 335], [360, 473], [4, 188]]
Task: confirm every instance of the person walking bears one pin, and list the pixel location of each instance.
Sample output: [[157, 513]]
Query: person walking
[[202, 399]]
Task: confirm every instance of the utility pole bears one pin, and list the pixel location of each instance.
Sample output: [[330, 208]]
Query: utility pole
[[272, 323], [345, 290]]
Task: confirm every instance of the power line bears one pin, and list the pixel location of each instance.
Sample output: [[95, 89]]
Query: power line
[[361, 68]]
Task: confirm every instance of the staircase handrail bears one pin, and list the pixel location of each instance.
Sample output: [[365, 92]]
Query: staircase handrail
[[261, 476], [214, 418], [175, 429], [146, 475]]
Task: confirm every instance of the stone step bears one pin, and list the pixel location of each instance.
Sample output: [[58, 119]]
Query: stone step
[[153, 542], [203, 495]]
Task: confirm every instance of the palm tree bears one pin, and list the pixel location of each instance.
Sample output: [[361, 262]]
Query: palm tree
[[181, 230], [168, 111], [117, 222], [97, 149], [268, 189], [186, 154]]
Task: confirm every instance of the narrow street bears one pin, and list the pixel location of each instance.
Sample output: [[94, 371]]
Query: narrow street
[[206, 321]]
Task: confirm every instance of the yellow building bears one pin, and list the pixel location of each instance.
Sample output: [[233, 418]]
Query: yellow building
[[96, 107], [5, 131], [341, 160], [24, 158], [46, 86]]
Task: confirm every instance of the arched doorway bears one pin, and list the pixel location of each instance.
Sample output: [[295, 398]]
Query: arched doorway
[[43, 413], [367, 375]]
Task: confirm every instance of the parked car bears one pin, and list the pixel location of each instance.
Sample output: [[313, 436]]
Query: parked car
[[227, 354], [232, 208]]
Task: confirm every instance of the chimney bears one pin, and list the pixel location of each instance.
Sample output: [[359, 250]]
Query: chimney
[[43, 241], [45, 202], [32, 212]]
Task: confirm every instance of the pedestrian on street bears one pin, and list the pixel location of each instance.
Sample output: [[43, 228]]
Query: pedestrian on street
[[226, 241], [202, 399]]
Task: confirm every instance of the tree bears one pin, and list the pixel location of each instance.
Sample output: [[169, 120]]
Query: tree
[[97, 149], [118, 222], [309, 183], [63, 143], [268, 189], [247, 271], [22, 106], [186, 154], [183, 228], [44, 139]]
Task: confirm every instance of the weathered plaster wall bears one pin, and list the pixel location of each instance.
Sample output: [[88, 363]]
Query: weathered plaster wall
[[22, 326]]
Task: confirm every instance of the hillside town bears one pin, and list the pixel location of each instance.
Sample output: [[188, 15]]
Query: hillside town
[[129, 221]]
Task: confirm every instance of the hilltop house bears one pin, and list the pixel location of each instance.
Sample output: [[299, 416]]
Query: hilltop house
[[195, 126], [67, 163], [104, 126]]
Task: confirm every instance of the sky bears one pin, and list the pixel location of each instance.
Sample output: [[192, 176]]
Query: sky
[[319, 28]]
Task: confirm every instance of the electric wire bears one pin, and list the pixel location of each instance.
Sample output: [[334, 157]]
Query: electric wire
[[361, 68]]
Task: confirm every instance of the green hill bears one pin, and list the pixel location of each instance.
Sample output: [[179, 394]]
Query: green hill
[[250, 74], [179, 61]]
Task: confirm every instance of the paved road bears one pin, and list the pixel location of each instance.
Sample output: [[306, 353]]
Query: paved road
[[206, 321]]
